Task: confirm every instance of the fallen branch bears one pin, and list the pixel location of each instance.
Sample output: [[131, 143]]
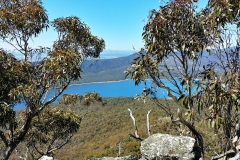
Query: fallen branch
[[223, 155], [236, 157], [236, 148]]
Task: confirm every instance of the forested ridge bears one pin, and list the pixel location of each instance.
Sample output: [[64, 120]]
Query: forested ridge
[[101, 70], [113, 69]]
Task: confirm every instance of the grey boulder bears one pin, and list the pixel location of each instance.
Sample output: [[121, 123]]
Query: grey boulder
[[167, 147]]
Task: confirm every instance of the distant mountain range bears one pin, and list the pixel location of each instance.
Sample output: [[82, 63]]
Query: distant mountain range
[[112, 69], [100, 70], [109, 54]]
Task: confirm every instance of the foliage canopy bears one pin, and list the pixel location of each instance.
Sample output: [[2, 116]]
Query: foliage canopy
[[36, 81], [205, 85]]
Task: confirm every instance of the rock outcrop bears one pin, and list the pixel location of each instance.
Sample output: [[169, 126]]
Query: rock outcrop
[[131, 157], [164, 147], [167, 147], [45, 158]]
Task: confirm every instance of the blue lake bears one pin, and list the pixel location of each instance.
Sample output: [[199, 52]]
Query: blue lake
[[108, 89], [124, 88]]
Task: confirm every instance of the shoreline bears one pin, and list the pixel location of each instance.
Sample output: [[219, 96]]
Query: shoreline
[[97, 82], [78, 84]]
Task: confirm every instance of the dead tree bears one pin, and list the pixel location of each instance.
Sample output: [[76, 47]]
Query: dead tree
[[119, 147], [136, 136]]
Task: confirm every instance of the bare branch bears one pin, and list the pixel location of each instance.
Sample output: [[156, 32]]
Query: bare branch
[[119, 148], [157, 82], [224, 155], [172, 80], [148, 123], [12, 45], [191, 128], [41, 153], [236, 157], [61, 145], [53, 98], [136, 136], [164, 107]]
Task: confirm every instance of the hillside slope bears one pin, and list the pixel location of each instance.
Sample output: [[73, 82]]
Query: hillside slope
[[105, 126], [99, 70]]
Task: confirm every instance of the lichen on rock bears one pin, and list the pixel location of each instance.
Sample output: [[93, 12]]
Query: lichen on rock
[[165, 146]]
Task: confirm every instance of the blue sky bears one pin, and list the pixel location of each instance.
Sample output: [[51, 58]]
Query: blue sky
[[119, 22]]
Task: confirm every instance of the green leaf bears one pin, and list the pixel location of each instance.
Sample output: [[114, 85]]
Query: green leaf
[[181, 99], [234, 97], [210, 107], [213, 124]]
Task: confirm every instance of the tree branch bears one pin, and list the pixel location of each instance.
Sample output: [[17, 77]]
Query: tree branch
[[156, 82], [53, 98], [162, 106], [191, 128], [61, 145], [223, 155], [41, 153], [136, 136], [172, 80], [236, 157], [148, 123]]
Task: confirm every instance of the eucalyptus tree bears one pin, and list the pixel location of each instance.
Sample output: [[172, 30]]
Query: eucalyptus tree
[[54, 126], [219, 95], [224, 12], [37, 83], [50, 130], [176, 37]]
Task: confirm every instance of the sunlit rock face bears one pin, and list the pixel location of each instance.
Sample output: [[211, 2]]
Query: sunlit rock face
[[167, 147], [131, 157], [45, 158], [164, 147]]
